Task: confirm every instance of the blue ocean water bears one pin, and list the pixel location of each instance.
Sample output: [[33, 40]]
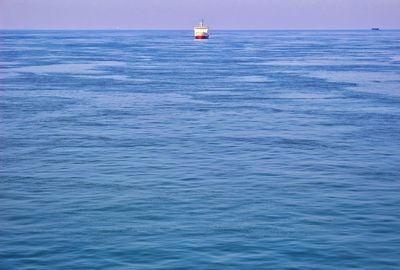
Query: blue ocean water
[[151, 150]]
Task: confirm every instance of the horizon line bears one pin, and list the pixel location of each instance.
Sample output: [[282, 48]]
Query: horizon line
[[186, 29]]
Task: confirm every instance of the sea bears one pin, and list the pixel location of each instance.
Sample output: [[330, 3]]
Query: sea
[[153, 150]]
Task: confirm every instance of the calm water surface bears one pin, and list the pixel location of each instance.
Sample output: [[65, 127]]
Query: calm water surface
[[150, 150]]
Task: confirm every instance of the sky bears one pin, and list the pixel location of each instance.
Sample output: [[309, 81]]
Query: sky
[[184, 14]]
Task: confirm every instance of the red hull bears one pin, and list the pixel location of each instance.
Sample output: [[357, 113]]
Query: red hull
[[201, 37]]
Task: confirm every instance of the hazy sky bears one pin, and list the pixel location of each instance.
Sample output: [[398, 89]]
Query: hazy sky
[[183, 14]]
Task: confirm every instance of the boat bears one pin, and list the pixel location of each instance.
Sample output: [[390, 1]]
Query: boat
[[375, 29], [201, 31]]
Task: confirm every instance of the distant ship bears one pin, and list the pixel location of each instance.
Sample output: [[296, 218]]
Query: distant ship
[[201, 31], [375, 29]]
